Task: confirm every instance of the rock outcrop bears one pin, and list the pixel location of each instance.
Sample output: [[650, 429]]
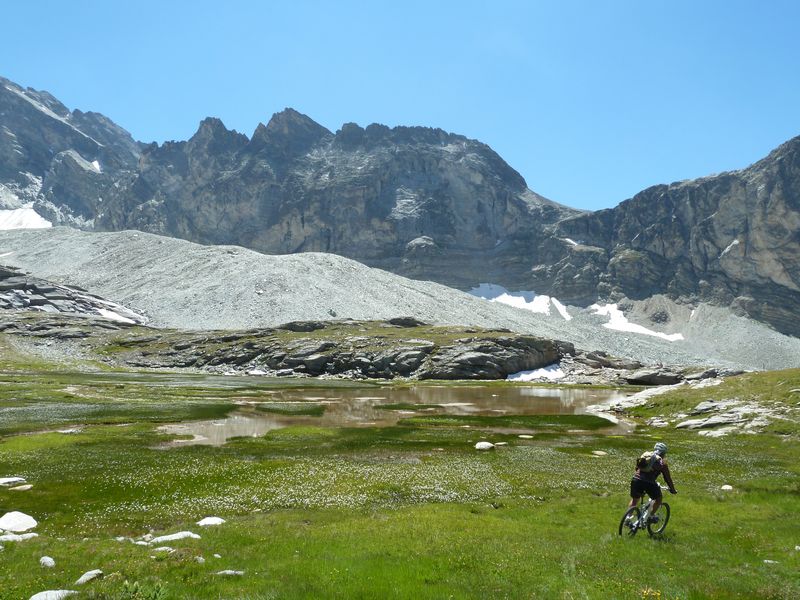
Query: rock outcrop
[[419, 202], [731, 239], [68, 163], [21, 291]]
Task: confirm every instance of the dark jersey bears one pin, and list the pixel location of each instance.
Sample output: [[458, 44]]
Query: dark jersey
[[659, 467]]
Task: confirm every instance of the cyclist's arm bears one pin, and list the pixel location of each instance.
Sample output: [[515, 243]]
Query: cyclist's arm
[[668, 478]]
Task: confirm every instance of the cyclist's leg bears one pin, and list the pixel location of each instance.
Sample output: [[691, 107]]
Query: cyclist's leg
[[654, 491], [636, 493]]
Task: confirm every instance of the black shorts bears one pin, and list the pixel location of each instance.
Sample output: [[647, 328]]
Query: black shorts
[[639, 487]]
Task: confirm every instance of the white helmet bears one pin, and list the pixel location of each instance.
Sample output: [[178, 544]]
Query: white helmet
[[660, 448]]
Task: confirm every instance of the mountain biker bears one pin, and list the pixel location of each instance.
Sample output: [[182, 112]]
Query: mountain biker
[[648, 467]]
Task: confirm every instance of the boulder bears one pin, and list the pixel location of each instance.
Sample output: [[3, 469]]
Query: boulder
[[653, 377], [9, 481], [53, 595], [173, 537], [47, 562], [89, 576], [17, 522], [484, 446]]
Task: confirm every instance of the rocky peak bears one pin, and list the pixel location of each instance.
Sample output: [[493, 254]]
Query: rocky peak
[[213, 137], [287, 134]]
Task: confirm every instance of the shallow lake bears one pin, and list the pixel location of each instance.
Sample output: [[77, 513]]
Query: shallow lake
[[362, 407]]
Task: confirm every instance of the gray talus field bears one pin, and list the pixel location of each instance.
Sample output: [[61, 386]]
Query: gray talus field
[[185, 285]]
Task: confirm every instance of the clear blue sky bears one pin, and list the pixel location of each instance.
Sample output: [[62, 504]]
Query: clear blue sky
[[589, 101]]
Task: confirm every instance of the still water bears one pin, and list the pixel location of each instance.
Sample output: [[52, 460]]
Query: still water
[[361, 407]]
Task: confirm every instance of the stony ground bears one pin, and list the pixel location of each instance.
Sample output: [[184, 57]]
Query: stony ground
[[184, 285]]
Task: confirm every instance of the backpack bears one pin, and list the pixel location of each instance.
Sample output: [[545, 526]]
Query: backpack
[[646, 462]]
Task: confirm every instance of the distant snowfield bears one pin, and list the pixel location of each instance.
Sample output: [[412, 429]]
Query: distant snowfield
[[618, 322], [22, 218], [526, 300]]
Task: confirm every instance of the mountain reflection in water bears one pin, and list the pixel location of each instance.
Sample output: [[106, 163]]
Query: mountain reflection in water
[[355, 408]]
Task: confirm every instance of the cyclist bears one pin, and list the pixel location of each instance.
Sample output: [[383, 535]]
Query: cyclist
[[648, 467]]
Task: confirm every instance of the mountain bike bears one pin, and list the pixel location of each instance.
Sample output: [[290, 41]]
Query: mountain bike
[[636, 518]]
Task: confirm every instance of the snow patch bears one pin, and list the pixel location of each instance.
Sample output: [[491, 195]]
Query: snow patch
[[22, 218], [728, 249], [526, 300], [112, 316], [562, 310], [570, 241], [92, 167], [618, 322], [550, 372], [210, 521]]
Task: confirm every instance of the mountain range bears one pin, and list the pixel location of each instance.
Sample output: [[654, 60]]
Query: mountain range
[[419, 202]]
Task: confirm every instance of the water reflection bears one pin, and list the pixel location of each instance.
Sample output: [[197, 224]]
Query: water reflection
[[354, 408]]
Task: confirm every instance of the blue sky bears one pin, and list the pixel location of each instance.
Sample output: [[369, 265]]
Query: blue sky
[[590, 101]]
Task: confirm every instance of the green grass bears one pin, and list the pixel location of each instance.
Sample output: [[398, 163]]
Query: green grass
[[409, 511]]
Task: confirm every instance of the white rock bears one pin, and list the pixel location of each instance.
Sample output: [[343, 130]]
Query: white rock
[[210, 521], [17, 537], [484, 446], [229, 572], [89, 576], [141, 543], [48, 562], [174, 536], [164, 549], [770, 562], [501, 443], [147, 537], [53, 595], [525, 436], [727, 488], [599, 453], [200, 560], [16, 521], [7, 481], [217, 556], [20, 488]]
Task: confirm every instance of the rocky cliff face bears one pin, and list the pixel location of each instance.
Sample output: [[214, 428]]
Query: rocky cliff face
[[66, 162], [419, 202], [732, 239], [416, 201]]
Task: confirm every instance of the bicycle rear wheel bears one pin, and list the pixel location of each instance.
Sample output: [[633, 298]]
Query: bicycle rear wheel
[[630, 521], [663, 519]]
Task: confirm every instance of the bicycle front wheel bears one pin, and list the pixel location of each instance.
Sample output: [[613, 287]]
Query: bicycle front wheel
[[663, 519], [630, 521]]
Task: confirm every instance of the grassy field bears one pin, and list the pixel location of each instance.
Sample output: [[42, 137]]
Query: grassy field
[[408, 511]]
